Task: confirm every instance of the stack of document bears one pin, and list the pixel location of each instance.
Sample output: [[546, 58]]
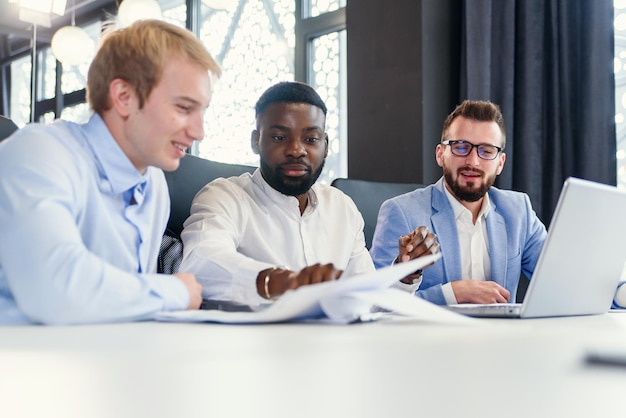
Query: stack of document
[[344, 301]]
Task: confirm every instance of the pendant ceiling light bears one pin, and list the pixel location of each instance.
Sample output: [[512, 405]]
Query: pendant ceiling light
[[132, 10], [71, 45]]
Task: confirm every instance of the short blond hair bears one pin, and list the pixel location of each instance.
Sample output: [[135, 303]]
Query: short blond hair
[[138, 54]]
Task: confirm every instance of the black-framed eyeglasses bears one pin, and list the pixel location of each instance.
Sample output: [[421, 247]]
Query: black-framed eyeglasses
[[463, 148]]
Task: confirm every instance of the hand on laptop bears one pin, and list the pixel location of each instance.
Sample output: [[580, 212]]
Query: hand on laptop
[[475, 291]]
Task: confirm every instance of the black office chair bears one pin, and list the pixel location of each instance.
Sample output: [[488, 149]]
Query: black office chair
[[183, 183], [368, 196], [7, 127]]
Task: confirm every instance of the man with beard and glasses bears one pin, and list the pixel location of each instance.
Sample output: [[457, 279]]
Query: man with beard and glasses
[[487, 236], [253, 237]]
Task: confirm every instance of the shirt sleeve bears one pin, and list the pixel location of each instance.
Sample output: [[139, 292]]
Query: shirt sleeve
[[536, 237], [409, 288], [53, 277], [448, 294], [390, 226], [211, 239]]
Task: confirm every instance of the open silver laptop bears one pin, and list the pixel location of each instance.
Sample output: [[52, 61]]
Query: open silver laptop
[[581, 261]]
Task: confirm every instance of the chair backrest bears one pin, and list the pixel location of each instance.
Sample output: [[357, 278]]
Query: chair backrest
[[369, 195], [7, 127], [183, 184], [191, 176]]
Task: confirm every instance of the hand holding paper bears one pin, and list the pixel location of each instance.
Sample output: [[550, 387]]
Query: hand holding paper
[[342, 301]]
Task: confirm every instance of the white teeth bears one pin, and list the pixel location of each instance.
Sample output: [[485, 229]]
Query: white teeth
[[180, 147]]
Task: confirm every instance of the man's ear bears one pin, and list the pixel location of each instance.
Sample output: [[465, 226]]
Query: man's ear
[[326, 150], [121, 94], [439, 155], [501, 163], [254, 141]]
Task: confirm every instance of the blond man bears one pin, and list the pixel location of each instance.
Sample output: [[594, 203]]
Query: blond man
[[83, 207]]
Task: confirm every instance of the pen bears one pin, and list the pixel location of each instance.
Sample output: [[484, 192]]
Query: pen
[[606, 358]]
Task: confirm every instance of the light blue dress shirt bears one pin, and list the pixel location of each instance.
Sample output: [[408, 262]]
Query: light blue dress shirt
[[74, 245]]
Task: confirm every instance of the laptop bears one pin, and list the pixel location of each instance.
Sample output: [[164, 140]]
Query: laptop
[[581, 261]]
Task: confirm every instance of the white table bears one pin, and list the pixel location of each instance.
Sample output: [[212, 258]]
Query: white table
[[402, 368]]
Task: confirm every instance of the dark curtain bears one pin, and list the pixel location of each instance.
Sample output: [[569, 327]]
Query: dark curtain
[[549, 65]]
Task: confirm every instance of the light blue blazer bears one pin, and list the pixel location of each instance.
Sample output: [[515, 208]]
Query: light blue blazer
[[514, 231]]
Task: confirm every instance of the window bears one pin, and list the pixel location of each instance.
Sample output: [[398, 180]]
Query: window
[[174, 12], [329, 70], [20, 90], [257, 43], [254, 43], [620, 89], [73, 80], [319, 7]]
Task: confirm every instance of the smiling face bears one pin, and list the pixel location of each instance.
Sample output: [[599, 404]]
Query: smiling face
[[469, 178], [159, 133], [292, 146]]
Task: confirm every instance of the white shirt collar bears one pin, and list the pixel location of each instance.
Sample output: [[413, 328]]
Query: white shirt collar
[[459, 209], [283, 199]]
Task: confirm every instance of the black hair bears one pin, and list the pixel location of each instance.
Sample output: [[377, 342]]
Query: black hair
[[289, 92]]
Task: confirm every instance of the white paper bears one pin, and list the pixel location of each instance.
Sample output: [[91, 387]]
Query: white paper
[[403, 303], [340, 301]]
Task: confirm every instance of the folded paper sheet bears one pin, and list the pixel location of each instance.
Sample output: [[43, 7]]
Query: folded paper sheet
[[342, 301]]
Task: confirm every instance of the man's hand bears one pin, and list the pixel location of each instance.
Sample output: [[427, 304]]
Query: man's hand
[[193, 288], [475, 291], [418, 243], [281, 280]]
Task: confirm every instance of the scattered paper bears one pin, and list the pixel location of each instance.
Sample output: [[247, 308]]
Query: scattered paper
[[343, 301]]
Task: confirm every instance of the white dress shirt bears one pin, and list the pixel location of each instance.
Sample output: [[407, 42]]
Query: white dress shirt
[[241, 226], [73, 248], [473, 242]]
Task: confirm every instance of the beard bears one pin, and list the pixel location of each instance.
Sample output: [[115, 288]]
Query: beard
[[472, 192], [290, 186]]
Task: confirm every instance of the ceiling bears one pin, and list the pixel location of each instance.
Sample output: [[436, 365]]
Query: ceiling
[[15, 35]]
